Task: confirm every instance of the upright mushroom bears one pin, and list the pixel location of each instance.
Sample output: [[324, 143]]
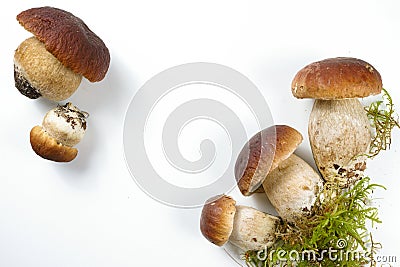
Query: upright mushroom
[[51, 63], [245, 227], [338, 129]]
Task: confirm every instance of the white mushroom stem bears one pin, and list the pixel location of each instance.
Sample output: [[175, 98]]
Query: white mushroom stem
[[293, 187], [253, 229], [339, 132]]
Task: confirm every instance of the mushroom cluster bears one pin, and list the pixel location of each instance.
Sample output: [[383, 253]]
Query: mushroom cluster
[[339, 135], [267, 160], [51, 65]]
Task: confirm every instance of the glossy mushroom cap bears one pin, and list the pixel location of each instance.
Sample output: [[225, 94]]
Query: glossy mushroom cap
[[69, 39], [337, 78], [217, 216], [262, 154]]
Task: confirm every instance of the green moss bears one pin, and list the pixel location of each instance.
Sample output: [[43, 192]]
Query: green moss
[[338, 222], [334, 234], [381, 114]]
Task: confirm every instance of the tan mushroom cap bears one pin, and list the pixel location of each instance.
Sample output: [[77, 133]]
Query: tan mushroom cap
[[263, 153], [48, 148], [337, 78], [69, 39], [217, 216]]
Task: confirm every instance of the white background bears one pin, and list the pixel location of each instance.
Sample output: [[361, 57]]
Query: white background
[[90, 212]]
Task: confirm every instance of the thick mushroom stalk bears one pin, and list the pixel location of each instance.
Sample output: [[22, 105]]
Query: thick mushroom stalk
[[253, 229], [293, 188], [339, 130], [340, 135], [245, 227]]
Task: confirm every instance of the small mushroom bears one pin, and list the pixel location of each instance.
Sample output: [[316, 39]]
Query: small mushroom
[[339, 129], [62, 128], [51, 63], [262, 153], [245, 227]]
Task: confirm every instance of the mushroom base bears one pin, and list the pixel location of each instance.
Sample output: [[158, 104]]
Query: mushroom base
[[23, 85]]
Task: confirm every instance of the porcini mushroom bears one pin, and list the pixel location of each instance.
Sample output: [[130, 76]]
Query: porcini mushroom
[[262, 153], [245, 227], [339, 130], [51, 63], [62, 128], [290, 183]]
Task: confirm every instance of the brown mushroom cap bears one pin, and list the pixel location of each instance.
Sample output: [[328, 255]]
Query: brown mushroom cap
[[337, 78], [217, 216], [47, 147], [263, 153], [69, 39]]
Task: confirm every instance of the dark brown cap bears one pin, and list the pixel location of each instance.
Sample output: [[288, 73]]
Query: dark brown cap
[[337, 78], [263, 153], [216, 222], [69, 39]]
